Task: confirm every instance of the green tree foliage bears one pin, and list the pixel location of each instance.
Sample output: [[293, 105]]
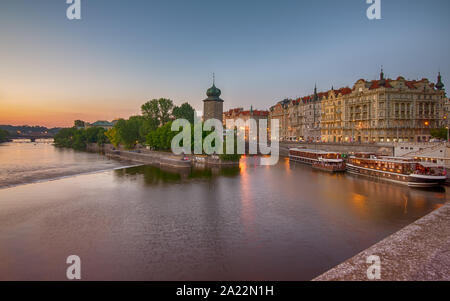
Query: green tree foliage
[[147, 126], [64, 138], [113, 137], [79, 123], [79, 138], [128, 131], [3, 136], [230, 157], [161, 138], [165, 108], [92, 134], [157, 111], [102, 139], [185, 111], [439, 133], [150, 110]]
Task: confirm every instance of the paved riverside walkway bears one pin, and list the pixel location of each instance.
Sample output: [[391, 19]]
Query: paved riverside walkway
[[420, 251]]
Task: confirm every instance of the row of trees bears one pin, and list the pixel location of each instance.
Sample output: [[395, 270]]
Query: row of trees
[[154, 122], [3, 136], [152, 127], [79, 138]]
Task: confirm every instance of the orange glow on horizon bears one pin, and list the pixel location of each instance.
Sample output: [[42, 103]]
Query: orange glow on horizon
[[57, 116]]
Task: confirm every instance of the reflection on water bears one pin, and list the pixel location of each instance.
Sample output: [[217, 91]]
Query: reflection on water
[[283, 222], [153, 175]]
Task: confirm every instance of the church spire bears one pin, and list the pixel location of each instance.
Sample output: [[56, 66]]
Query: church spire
[[382, 80], [316, 97], [382, 73], [439, 84]]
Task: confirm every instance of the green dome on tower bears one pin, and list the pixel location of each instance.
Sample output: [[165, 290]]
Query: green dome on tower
[[213, 91]]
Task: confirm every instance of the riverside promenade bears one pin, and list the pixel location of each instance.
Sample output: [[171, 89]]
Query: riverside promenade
[[145, 156], [418, 252], [142, 156]]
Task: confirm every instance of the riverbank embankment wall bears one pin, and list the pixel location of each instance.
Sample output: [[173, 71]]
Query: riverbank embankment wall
[[142, 155], [418, 252]]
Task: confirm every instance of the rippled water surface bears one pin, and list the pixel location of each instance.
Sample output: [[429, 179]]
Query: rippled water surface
[[285, 222], [22, 163]]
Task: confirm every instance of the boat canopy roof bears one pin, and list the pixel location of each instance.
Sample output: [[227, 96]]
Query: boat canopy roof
[[331, 160], [314, 151], [430, 164], [391, 160], [399, 158]]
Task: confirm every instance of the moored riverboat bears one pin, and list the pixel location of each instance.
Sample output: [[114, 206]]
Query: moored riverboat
[[330, 165], [406, 171], [322, 160]]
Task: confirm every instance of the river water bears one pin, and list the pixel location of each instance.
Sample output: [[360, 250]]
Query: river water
[[24, 162], [284, 222]]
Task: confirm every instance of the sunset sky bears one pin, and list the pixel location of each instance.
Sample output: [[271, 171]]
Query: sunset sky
[[123, 53]]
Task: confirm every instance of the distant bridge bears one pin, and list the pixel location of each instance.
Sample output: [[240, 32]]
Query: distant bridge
[[32, 137]]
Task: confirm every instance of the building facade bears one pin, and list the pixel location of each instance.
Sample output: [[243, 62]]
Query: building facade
[[376, 111], [280, 112], [299, 119], [239, 113]]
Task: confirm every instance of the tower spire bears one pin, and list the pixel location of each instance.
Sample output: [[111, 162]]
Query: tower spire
[[439, 84], [214, 79], [315, 93], [382, 73]]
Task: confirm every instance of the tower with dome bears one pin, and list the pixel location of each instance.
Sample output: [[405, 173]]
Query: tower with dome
[[213, 104]]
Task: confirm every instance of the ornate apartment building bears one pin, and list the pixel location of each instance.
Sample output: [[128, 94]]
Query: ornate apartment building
[[382, 110], [280, 111], [299, 118], [239, 113]]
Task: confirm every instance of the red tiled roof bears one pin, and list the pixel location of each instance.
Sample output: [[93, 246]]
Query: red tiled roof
[[344, 91], [376, 84], [410, 84], [241, 112]]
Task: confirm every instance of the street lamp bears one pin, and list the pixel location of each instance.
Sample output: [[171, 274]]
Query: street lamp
[[426, 123]]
